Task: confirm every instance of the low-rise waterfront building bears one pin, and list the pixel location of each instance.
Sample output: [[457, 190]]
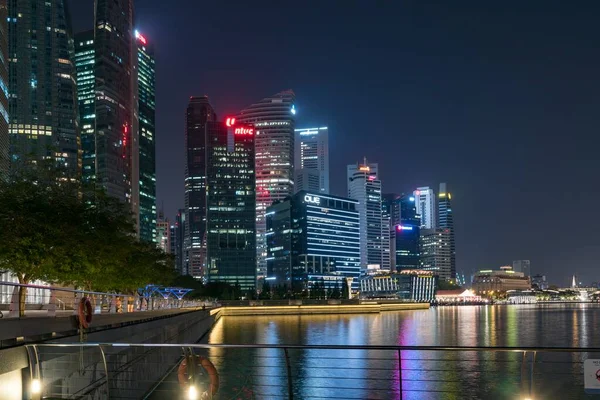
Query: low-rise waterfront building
[[414, 285], [458, 296], [501, 280]]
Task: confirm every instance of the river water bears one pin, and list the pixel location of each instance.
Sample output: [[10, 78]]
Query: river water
[[374, 374]]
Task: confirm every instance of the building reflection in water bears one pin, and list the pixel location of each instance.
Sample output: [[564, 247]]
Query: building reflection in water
[[318, 372]]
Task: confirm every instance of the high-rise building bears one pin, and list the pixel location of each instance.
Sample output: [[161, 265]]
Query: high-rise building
[[199, 113], [147, 137], [310, 237], [446, 221], [85, 64], [405, 226], [311, 157], [4, 119], [273, 119], [230, 204], [173, 241], [391, 213], [365, 186], [117, 143], [425, 204], [436, 252], [181, 261], [163, 234], [523, 266], [43, 101]]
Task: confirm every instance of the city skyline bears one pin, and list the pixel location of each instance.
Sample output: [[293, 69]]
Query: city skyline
[[479, 116]]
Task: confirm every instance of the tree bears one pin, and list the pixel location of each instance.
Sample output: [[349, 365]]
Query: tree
[[55, 230], [443, 284], [265, 293]]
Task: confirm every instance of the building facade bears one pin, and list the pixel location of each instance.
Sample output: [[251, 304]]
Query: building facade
[[408, 285], [199, 113], [147, 137], [231, 204], [500, 280], [312, 236], [85, 65], [179, 235], [365, 186], [425, 205], [117, 144], [273, 119], [446, 221], [163, 234], [4, 84], [311, 158], [42, 101], [436, 252]]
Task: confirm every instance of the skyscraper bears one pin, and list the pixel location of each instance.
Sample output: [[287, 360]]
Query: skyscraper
[[310, 237], [86, 96], [273, 120], [364, 186], [117, 160], [523, 266], [446, 221], [147, 137], [436, 252], [43, 98], [407, 234], [425, 204], [4, 119], [199, 113], [230, 204], [179, 234], [163, 234], [311, 157]]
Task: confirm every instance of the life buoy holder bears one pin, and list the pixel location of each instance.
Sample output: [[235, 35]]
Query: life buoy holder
[[85, 312], [185, 377]]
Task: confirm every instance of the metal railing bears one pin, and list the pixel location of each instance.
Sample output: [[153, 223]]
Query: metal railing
[[45, 300], [158, 371]]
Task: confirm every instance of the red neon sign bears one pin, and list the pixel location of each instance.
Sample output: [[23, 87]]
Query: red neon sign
[[230, 121], [140, 37], [244, 131]]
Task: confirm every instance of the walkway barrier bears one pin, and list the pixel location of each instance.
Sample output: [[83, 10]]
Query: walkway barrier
[[154, 371], [44, 300]]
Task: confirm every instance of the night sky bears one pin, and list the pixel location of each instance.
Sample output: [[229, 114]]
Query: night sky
[[498, 99]]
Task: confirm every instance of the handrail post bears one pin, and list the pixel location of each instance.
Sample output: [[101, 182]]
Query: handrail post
[[400, 373], [105, 371], [289, 374], [531, 375]]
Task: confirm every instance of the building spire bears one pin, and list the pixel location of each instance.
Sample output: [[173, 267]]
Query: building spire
[[574, 284]]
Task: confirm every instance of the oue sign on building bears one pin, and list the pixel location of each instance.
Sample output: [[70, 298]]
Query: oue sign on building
[[312, 199]]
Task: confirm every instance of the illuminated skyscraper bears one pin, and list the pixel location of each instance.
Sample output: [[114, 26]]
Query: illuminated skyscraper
[[4, 119], [86, 96], [273, 120], [147, 138], [425, 204], [116, 144], [230, 204], [446, 221], [436, 252], [163, 234], [364, 185], [311, 159], [42, 101], [199, 113]]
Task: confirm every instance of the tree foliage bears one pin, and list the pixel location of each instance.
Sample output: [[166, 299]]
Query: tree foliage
[[54, 229]]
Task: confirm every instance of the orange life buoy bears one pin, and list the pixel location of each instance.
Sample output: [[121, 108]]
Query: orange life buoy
[[85, 312], [184, 377]]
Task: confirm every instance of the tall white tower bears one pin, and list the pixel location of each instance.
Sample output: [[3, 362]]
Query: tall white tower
[[364, 185], [425, 203]]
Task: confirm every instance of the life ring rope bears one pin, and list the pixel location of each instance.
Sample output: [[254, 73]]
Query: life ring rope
[[84, 312], [184, 377]]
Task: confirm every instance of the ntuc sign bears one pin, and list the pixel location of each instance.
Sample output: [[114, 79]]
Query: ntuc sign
[[244, 131], [312, 199]]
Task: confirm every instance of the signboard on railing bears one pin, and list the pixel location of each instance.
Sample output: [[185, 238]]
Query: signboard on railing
[[591, 374]]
